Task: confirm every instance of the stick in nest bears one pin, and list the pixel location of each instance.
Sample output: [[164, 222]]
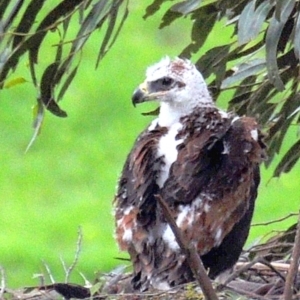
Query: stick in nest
[[190, 252], [293, 270]]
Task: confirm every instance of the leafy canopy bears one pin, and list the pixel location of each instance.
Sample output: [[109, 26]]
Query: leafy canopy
[[260, 64]]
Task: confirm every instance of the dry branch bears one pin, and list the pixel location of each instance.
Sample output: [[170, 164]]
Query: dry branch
[[190, 252], [294, 267]]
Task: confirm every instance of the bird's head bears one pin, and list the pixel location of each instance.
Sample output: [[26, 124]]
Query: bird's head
[[175, 83]]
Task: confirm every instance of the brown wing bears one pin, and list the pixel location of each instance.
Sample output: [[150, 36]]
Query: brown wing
[[137, 186], [212, 181]]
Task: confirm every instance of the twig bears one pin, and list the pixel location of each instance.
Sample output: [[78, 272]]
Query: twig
[[190, 252], [259, 266], [76, 257], [242, 267], [292, 272], [276, 221], [3, 283], [246, 293], [49, 273]]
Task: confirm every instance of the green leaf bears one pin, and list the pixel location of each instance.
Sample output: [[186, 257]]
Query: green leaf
[[59, 11], [244, 70], [272, 38], [13, 82], [186, 7], [251, 21], [153, 8], [212, 59], [297, 37], [288, 160], [281, 7], [246, 17], [67, 83], [27, 20], [3, 6], [38, 119], [47, 84], [109, 33], [169, 17], [204, 21], [96, 15], [13, 13]]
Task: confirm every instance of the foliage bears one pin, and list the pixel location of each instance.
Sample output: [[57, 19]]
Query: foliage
[[68, 177], [260, 64], [21, 34]]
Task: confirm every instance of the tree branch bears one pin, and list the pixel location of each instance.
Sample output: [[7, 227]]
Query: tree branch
[[190, 252], [293, 270]]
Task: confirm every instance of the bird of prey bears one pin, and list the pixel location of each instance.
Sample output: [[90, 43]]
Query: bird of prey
[[203, 162]]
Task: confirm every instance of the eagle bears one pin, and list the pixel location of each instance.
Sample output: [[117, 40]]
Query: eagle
[[203, 162]]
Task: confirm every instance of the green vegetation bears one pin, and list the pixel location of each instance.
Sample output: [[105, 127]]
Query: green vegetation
[[67, 178]]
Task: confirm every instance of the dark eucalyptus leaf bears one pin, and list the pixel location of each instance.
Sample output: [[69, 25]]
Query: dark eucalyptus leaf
[[67, 83], [153, 8], [285, 35], [296, 40], [289, 160], [3, 6], [245, 19], [245, 70], [108, 35], [283, 121], [272, 38], [204, 21], [12, 14], [27, 20], [97, 13], [211, 59], [58, 12], [281, 6], [251, 21], [169, 17], [186, 7], [47, 95]]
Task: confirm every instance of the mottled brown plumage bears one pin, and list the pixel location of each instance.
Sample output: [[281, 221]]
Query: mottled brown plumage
[[204, 163]]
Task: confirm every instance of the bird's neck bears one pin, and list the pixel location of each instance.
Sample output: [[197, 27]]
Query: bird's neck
[[171, 114]]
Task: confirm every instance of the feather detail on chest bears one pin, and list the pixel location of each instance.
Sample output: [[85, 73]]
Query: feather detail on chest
[[167, 151]]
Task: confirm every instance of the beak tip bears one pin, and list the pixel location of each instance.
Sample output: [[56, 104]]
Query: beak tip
[[137, 97]]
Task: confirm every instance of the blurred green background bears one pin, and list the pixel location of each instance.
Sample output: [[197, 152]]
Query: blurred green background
[[68, 177]]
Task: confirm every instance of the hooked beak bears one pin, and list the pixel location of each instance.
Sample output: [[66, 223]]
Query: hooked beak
[[140, 95]]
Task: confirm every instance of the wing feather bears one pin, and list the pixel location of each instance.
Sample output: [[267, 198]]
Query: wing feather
[[211, 183]]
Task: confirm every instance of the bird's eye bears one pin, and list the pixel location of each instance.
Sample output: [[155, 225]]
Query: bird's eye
[[162, 84], [166, 81]]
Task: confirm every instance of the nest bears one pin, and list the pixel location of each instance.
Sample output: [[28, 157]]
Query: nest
[[269, 270]]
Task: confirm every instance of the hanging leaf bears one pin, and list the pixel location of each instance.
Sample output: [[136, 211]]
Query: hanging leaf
[[211, 59], [186, 7], [58, 12], [243, 71], [38, 117], [13, 13], [153, 8], [27, 20], [251, 21], [169, 17], [204, 21], [297, 37], [272, 38], [289, 160], [13, 82], [47, 85], [3, 6], [67, 83]]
